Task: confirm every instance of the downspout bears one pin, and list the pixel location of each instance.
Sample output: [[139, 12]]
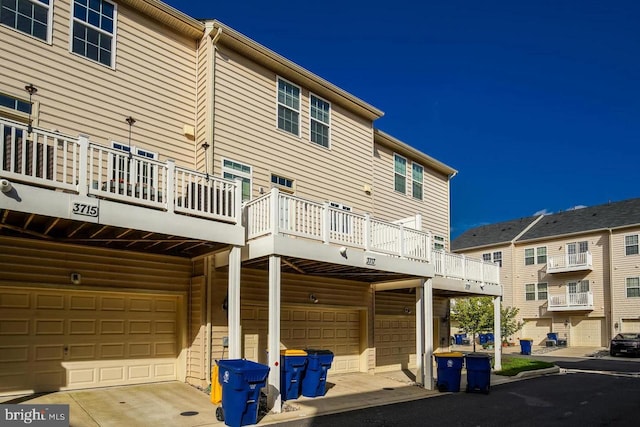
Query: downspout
[[211, 94], [209, 328], [611, 320]]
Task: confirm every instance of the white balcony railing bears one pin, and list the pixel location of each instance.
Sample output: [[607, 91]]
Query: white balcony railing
[[53, 160], [299, 217], [570, 301], [570, 262]]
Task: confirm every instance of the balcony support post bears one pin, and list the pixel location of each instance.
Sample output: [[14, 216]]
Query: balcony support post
[[420, 323], [427, 322], [274, 392], [497, 335], [83, 188], [233, 303], [274, 207]]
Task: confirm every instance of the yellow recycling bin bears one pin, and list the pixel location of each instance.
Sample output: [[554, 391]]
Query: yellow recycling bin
[[216, 387]]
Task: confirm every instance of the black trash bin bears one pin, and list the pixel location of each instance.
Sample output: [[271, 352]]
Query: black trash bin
[[241, 383], [292, 364], [478, 372], [314, 379]]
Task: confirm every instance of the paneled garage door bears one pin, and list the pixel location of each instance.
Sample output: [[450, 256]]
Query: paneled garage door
[[630, 325], [586, 332], [327, 329], [395, 341], [59, 340], [536, 329]]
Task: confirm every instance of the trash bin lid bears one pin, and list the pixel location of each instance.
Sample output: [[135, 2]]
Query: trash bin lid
[[449, 354], [525, 339], [315, 351], [480, 355], [293, 352]]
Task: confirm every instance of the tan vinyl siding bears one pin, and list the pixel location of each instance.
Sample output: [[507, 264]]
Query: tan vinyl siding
[[196, 356], [391, 205], [624, 266], [153, 81], [246, 131], [33, 263]]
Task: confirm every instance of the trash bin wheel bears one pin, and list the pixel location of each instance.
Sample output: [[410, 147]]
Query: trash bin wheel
[[219, 414], [486, 390]]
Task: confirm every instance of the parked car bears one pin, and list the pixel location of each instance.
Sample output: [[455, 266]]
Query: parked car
[[625, 343]]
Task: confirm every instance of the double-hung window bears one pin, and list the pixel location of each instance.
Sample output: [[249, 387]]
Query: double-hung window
[[135, 170], [400, 174], [631, 244], [233, 170], [541, 254], [320, 115], [94, 30], [535, 291], [417, 177], [32, 17], [633, 287], [535, 255], [529, 256], [495, 257], [438, 243], [288, 107], [341, 220]]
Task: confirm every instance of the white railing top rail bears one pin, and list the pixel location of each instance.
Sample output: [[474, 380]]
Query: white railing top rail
[[51, 159]]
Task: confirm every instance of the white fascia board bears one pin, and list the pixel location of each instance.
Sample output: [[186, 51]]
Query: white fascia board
[[457, 285]]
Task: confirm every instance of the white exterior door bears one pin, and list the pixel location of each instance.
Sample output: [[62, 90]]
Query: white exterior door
[[65, 340]]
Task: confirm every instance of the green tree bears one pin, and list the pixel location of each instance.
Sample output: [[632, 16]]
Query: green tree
[[474, 315], [508, 323]]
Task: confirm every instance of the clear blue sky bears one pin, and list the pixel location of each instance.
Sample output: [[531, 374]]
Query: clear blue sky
[[535, 103]]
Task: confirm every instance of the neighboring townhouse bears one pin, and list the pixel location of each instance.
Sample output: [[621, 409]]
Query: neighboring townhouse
[[573, 272], [175, 193]]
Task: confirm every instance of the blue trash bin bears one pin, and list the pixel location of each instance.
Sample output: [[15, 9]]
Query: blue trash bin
[[314, 378], [449, 367], [482, 338], [478, 372], [459, 338], [489, 336], [553, 336], [241, 383], [525, 345], [292, 367]]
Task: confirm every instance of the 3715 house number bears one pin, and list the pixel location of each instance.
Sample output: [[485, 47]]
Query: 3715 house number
[[371, 261], [84, 209]]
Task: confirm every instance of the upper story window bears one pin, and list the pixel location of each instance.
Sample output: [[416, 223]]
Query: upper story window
[[284, 183], [633, 287], [15, 108], [417, 178], [535, 291], [144, 173], [495, 257], [31, 17], [400, 174], [535, 255], [288, 107], [340, 219], [94, 30], [320, 121], [233, 170], [631, 244]]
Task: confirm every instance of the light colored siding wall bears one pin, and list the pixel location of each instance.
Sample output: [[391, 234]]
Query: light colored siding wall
[[557, 282], [33, 263], [153, 81], [391, 205], [506, 272], [246, 131], [624, 266], [196, 335]]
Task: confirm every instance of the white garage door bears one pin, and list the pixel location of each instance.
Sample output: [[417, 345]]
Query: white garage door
[[585, 332], [536, 329], [63, 340], [630, 325], [326, 329]]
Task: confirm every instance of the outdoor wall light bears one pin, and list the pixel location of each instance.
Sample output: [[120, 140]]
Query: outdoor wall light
[[407, 310], [343, 251], [615, 325], [566, 323], [313, 298], [76, 278], [5, 185], [31, 90]]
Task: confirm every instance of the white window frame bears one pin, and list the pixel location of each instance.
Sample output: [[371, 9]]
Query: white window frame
[[546, 256], [491, 257], [113, 35], [530, 291], [539, 291], [240, 174], [397, 174], [438, 243], [283, 187], [413, 193], [147, 178], [327, 124], [532, 257], [278, 104], [337, 225], [637, 245], [634, 286], [49, 8], [17, 114]]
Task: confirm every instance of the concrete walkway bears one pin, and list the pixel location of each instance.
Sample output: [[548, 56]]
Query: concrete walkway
[[178, 404]]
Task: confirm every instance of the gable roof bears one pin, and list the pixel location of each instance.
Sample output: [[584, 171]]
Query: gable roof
[[610, 215], [492, 234], [602, 217]]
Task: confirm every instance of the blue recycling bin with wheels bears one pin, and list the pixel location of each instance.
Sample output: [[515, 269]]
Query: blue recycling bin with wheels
[[490, 337], [459, 338], [241, 382], [525, 346], [478, 372], [482, 338], [314, 378], [292, 366], [449, 368]]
